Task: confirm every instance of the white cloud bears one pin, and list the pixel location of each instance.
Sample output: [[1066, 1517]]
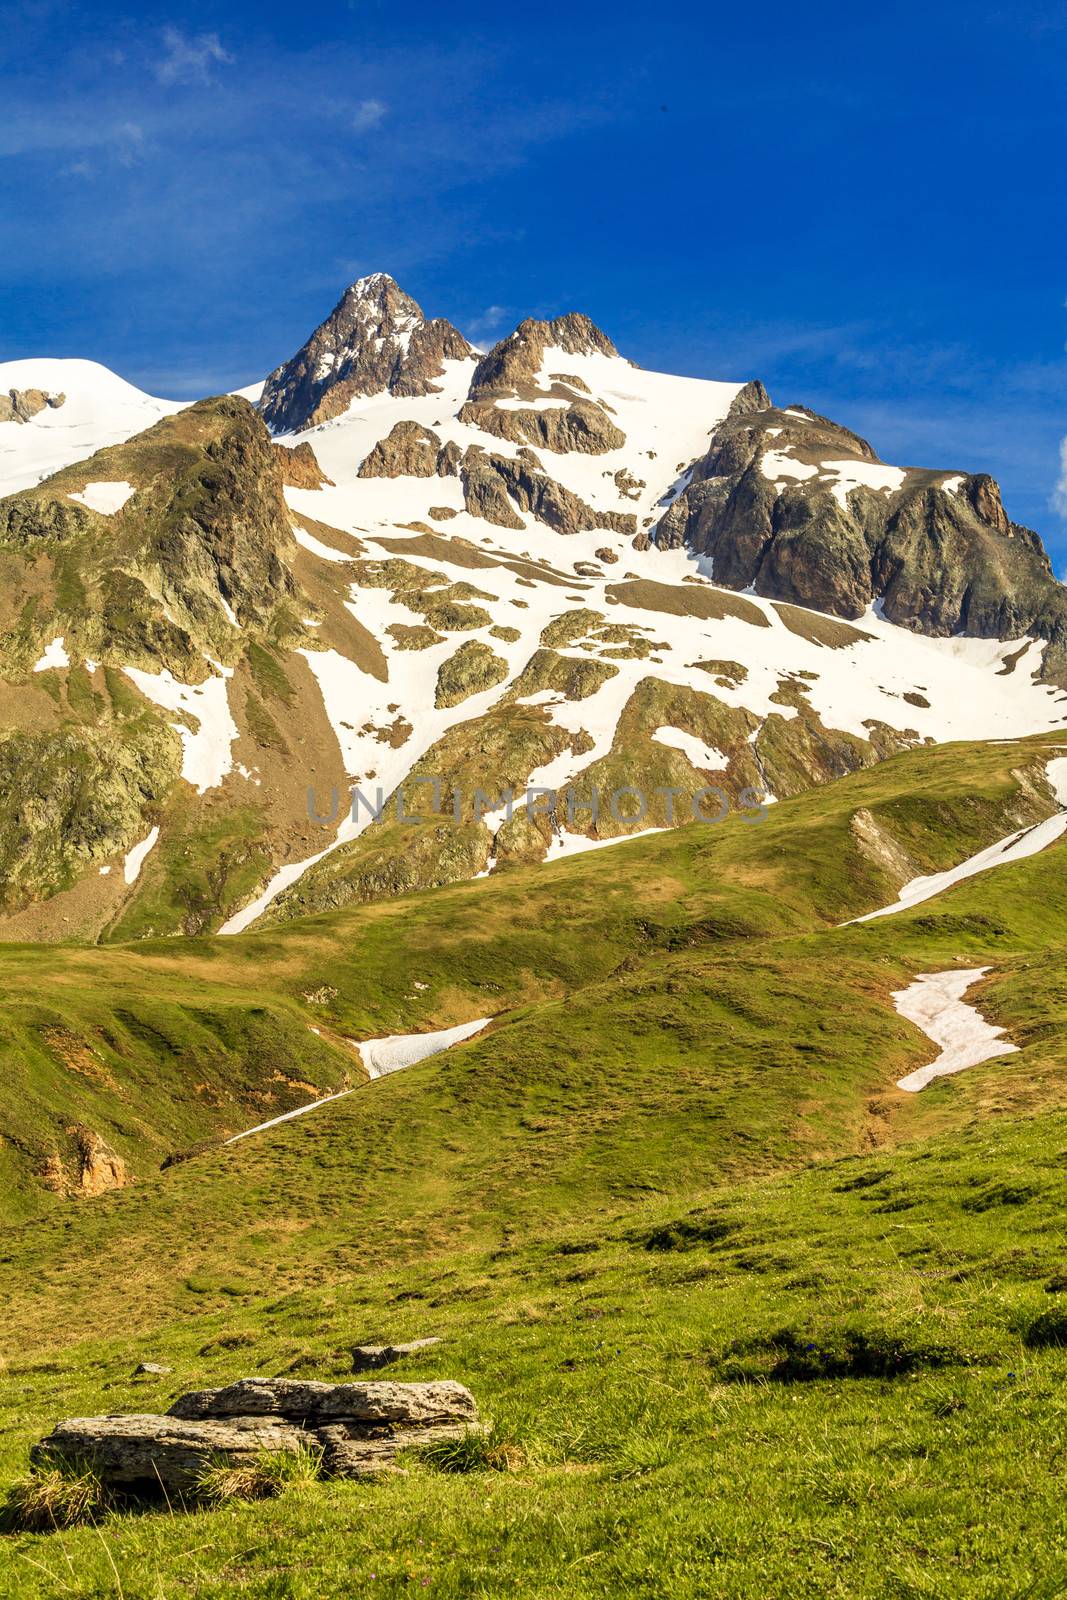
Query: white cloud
[[190, 59], [485, 324], [1059, 493], [369, 113]]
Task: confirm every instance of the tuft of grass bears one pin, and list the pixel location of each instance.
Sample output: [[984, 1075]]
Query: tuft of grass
[[269, 1474], [50, 1498], [476, 1450]]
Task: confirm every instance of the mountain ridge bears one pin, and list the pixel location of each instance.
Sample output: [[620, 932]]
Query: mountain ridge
[[543, 565]]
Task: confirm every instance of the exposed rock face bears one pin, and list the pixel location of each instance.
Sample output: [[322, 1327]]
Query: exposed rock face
[[360, 1428], [472, 669], [375, 340], [95, 1169], [20, 405], [803, 510], [494, 485], [100, 1169], [583, 426], [300, 467], [514, 368], [408, 451], [514, 364]]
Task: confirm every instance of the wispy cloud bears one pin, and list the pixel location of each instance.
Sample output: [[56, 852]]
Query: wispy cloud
[[1059, 493], [487, 322], [190, 59], [369, 114]]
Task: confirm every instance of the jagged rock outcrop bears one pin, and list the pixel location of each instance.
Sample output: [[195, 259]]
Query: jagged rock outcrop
[[801, 509], [360, 1429], [408, 451], [94, 1168], [494, 485], [209, 520], [512, 366], [376, 340], [583, 426], [300, 467], [20, 405]]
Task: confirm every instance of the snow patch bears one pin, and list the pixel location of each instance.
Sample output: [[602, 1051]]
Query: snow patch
[[1015, 847], [703, 756], [934, 1002], [106, 498], [206, 751], [398, 1050], [135, 860], [54, 656]]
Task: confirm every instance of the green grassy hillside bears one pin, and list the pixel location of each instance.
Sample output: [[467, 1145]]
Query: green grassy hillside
[[749, 1320]]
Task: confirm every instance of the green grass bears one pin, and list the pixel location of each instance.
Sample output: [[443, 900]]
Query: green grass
[[640, 1460], [744, 1319]]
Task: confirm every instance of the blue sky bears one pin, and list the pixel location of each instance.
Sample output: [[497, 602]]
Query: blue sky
[[859, 205]]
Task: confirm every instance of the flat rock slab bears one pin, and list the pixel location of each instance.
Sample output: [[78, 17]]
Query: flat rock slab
[[378, 1402], [147, 1452], [367, 1357], [360, 1428]]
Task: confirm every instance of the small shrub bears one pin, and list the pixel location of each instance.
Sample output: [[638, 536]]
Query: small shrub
[[49, 1498], [687, 1232], [789, 1356], [475, 1450], [1048, 1330], [269, 1474]]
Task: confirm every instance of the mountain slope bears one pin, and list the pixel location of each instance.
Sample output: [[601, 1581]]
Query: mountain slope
[[494, 573]]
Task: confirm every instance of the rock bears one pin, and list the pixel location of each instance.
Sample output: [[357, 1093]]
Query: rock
[[583, 426], [142, 1452], [937, 549], [99, 1168], [300, 467], [473, 669], [607, 555], [493, 485], [360, 1428], [515, 362], [385, 1401], [20, 405], [348, 1453], [376, 340], [150, 1369], [408, 451], [628, 486], [368, 1357]]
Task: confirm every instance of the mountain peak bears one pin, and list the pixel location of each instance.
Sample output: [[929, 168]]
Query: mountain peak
[[516, 360], [375, 340]]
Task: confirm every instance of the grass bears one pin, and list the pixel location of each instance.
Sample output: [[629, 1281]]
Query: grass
[[641, 1465], [51, 1498], [744, 1319], [269, 1474]]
